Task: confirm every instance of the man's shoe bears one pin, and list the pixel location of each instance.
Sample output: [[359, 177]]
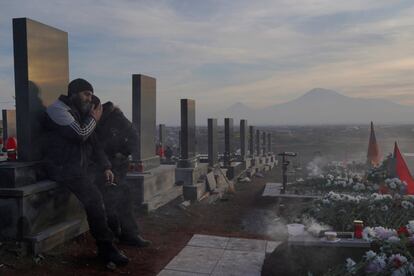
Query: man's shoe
[[107, 252], [136, 240]]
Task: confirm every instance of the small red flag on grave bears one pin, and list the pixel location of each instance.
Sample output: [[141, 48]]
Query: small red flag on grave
[[373, 155], [402, 171]]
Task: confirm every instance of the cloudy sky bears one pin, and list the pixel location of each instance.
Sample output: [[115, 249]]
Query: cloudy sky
[[220, 52]]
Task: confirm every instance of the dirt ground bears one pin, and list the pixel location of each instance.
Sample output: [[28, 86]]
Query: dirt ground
[[169, 228]]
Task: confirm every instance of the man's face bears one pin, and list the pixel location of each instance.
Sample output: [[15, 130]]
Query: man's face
[[83, 101]]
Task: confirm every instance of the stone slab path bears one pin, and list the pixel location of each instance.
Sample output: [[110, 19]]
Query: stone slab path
[[273, 190], [214, 255]]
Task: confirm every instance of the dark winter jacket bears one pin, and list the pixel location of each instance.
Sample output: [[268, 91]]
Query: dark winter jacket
[[118, 137], [72, 148]]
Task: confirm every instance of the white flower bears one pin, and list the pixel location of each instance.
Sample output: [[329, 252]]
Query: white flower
[[370, 254], [393, 185], [368, 234], [406, 204], [377, 264], [350, 265], [397, 260], [384, 233], [393, 239], [410, 226], [384, 208]]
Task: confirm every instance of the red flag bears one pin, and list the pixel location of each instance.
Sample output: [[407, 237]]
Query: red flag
[[402, 171], [373, 155]]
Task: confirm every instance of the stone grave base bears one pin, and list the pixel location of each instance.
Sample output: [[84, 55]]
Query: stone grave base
[[258, 164], [190, 176], [41, 215], [154, 188], [215, 255], [19, 174], [56, 235], [247, 162], [235, 170], [194, 185], [151, 162]]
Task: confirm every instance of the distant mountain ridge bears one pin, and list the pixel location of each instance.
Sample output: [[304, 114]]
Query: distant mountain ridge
[[322, 106]]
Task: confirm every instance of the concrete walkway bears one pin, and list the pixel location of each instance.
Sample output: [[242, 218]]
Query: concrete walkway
[[214, 255]]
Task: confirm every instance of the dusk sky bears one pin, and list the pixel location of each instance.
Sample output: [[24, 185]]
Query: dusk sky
[[220, 52]]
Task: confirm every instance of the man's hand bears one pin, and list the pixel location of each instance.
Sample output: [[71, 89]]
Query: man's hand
[[96, 112], [109, 176]]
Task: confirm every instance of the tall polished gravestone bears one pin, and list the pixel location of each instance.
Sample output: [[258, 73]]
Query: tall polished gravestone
[[162, 135], [189, 172], [41, 74], [144, 119], [228, 140], [36, 211], [9, 124], [251, 141], [257, 141], [243, 139], [212, 142], [153, 184], [188, 155], [264, 144], [269, 142]]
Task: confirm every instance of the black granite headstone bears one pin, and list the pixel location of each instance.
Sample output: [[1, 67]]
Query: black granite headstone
[[228, 140], [269, 142], [144, 119], [212, 142], [9, 124], [251, 141], [162, 134], [188, 134], [243, 139], [264, 144], [257, 140], [41, 74]]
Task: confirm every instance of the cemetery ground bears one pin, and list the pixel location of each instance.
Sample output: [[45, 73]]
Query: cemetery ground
[[242, 214]]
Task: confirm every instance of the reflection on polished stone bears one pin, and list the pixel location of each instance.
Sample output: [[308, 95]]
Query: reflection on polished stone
[[144, 118], [9, 123], [41, 71]]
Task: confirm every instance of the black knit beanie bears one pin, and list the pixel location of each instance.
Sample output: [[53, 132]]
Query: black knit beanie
[[79, 85]]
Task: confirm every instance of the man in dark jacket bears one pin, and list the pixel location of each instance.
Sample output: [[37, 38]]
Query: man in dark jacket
[[72, 152], [119, 140]]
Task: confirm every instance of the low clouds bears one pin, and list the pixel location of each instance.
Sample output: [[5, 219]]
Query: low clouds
[[221, 52]]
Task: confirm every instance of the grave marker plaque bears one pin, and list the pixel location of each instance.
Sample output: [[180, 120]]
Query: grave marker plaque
[[41, 74], [212, 142], [144, 119]]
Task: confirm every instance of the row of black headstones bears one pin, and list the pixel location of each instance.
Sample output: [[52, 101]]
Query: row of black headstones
[[252, 142], [42, 74]]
